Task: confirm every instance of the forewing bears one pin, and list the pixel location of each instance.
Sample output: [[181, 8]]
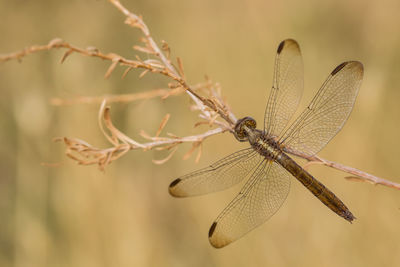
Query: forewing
[[262, 195], [287, 87], [218, 176], [327, 112]]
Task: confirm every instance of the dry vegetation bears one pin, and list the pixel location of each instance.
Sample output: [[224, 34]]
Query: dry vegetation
[[206, 98]]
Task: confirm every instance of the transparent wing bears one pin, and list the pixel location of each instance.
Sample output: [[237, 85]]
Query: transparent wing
[[327, 112], [287, 87], [218, 176], [262, 195]]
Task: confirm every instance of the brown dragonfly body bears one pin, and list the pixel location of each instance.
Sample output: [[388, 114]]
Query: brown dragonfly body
[[267, 163], [271, 150]]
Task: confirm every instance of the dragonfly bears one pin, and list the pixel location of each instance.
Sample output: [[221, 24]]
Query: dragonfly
[[267, 162]]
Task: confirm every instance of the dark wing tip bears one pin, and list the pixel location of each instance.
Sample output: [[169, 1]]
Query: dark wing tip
[[338, 68], [217, 238], [212, 229], [175, 182], [286, 43], [280, 47], [172, 185], [215, 241], [354, 65]]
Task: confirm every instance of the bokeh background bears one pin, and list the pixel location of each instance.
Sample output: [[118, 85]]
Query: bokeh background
[[78, 216]]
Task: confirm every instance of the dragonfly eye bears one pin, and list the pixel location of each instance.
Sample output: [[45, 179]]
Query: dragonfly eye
[[240, 129]]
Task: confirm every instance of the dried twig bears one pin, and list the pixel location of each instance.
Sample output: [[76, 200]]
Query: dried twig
[[357, 175], [86, 154], [163, 93]]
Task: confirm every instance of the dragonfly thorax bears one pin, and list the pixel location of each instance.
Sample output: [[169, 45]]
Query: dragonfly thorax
[[264, 145], [245, 130]]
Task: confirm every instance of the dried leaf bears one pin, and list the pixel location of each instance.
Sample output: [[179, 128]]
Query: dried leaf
[[154, 63], [308, 164], [201, 123], [173, 136], [174, 91], [105, 161], [133, 23], [143, 134], [143, 73], [199, 153], [190, 152], [104, 115], [213, 119], [166, 147], [108, 123], [69, 154], [180, 67], [119, 151], [162, 161], [111, 68], [162, 124], [66, 54], [147, 50], [173, 85], [128, 69], [358, 179], [55, 42], [165, 47], [143, 40]]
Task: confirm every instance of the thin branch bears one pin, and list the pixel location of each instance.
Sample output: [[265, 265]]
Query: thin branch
[[357, 175], [56, 101], [59, 43], [163, 93]]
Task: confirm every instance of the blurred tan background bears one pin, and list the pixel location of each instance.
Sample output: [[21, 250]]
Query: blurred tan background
[[78, 216]]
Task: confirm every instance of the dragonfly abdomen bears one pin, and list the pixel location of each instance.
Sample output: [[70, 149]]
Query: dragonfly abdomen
[[327, 197]]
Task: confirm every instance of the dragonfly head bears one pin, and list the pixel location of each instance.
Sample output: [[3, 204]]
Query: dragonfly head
[[242, 127]]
